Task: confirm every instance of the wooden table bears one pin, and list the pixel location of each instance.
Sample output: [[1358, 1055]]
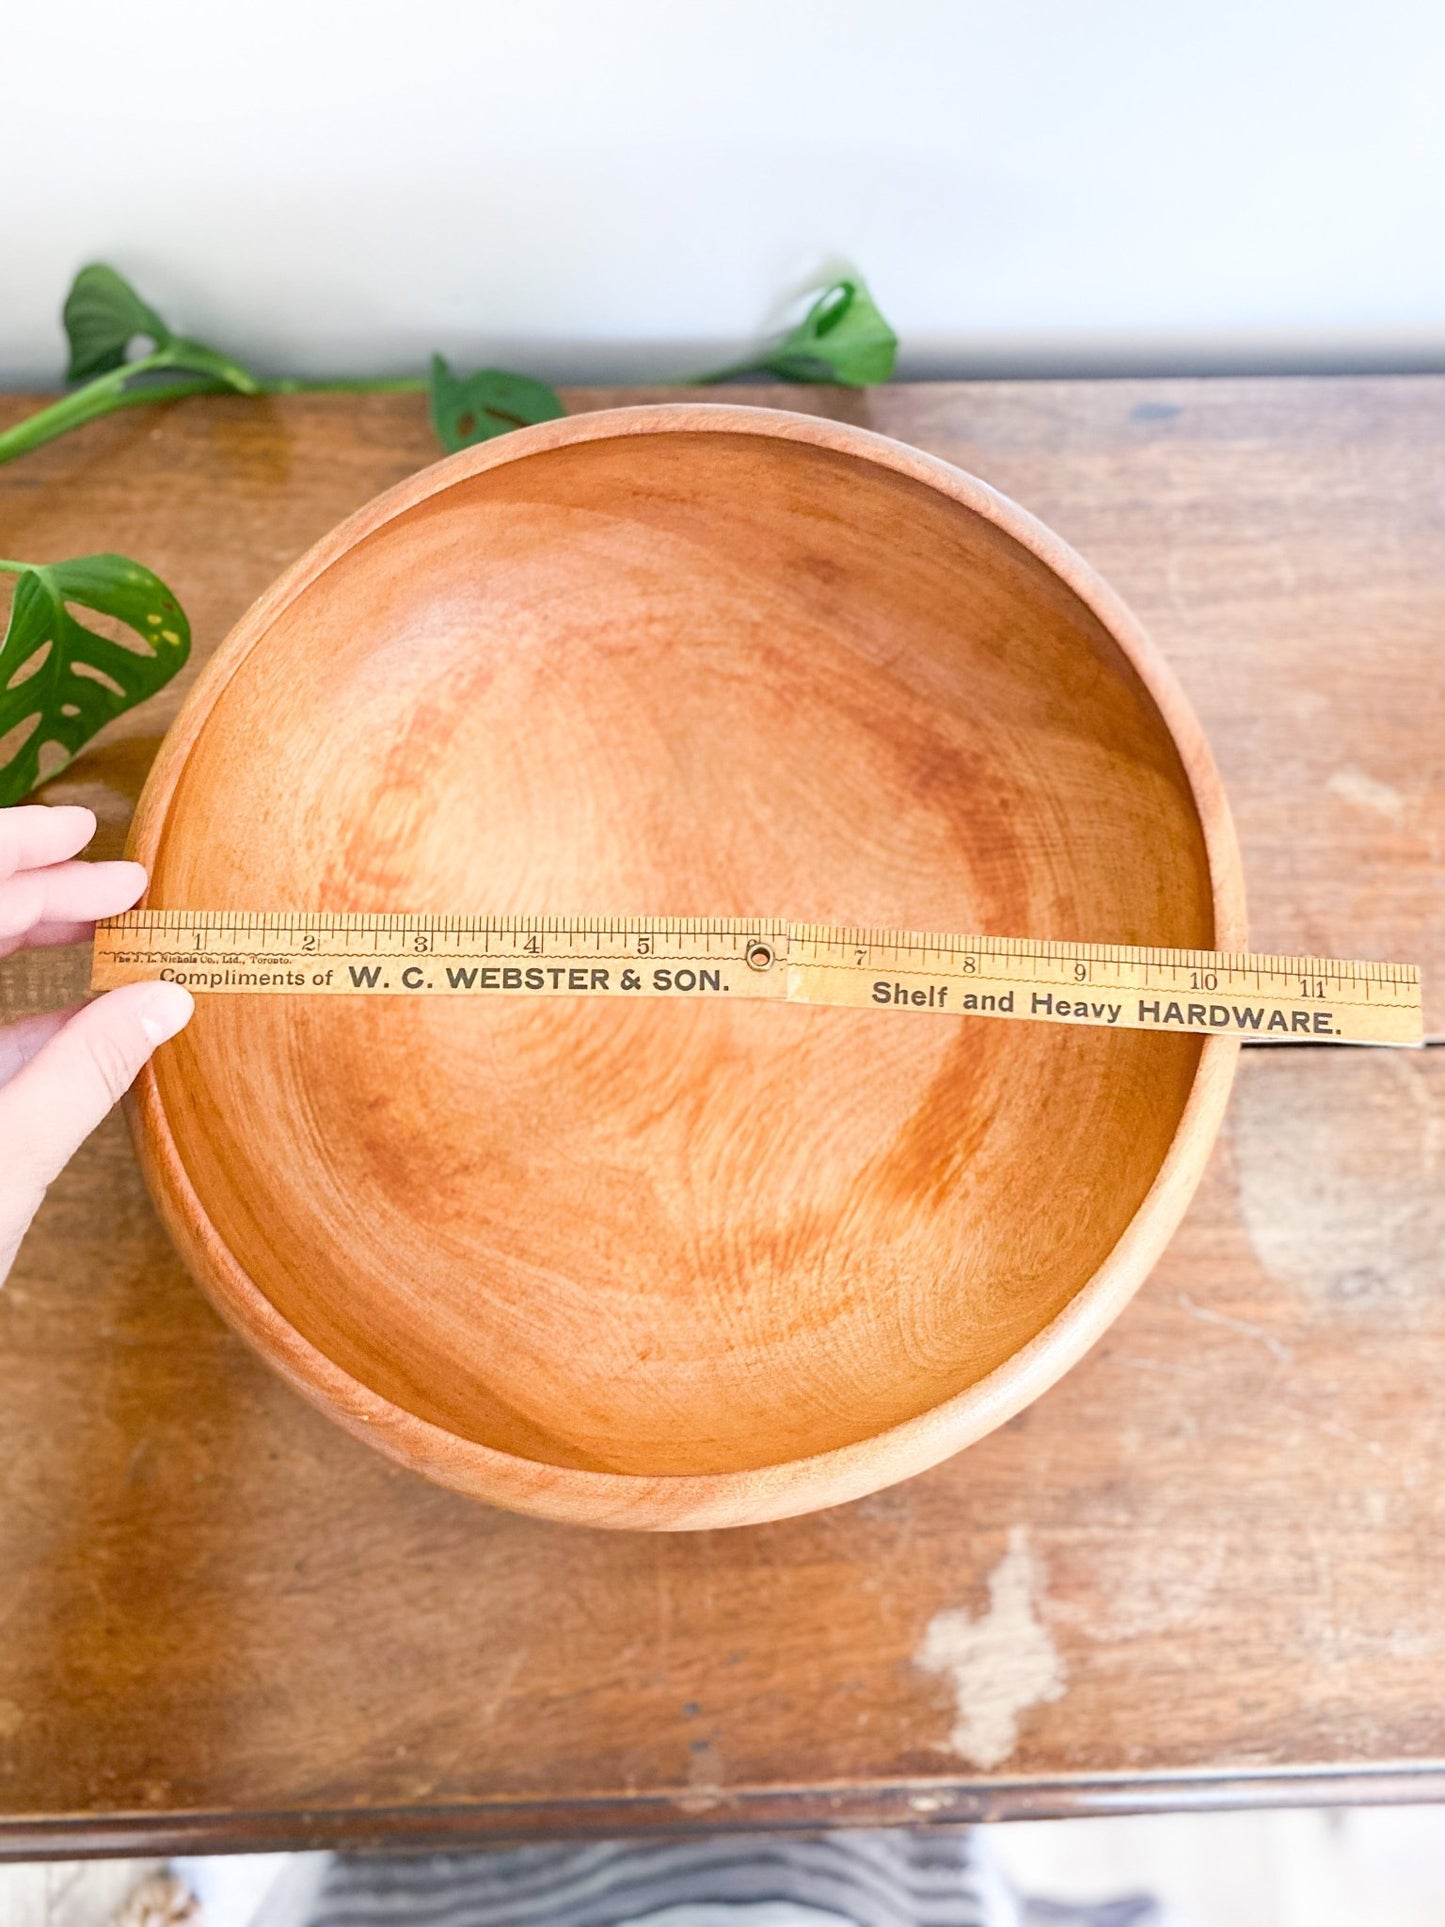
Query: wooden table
[[1207, 1568]]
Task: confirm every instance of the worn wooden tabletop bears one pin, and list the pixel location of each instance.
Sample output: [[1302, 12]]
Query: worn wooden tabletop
[[1207, 1567]]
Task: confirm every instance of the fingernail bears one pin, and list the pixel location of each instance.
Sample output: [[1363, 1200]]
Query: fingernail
[[165, 1011]]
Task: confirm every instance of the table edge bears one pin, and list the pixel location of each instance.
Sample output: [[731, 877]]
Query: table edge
[[914, 1803]]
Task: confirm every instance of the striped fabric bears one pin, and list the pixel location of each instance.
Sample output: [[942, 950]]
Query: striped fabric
[[853, 1879]]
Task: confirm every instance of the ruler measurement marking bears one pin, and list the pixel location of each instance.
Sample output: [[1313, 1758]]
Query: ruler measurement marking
[[1050, 983]]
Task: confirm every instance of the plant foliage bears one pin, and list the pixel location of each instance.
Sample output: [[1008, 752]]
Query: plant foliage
[[476, 407], [842, 338], [60, 680]]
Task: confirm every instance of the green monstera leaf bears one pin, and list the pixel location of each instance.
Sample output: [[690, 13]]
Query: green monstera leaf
[[842, 338], [476, 407], [103, 315], [60, 680]]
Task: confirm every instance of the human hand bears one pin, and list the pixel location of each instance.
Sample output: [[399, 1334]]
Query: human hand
[[61, 1072]]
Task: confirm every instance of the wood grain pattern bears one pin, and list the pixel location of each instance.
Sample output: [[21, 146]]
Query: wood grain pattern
[[697, 1265], [228, 1624]]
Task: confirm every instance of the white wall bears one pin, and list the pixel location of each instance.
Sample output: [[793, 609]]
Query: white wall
[[610, 187]]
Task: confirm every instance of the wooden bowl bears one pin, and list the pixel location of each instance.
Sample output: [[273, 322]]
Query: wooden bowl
[[665, 1265]]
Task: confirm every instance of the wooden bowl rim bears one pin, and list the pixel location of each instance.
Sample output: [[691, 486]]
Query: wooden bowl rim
[[691, 1500]]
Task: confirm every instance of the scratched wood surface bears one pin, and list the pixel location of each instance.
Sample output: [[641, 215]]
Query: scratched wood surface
[[1207, 1566]]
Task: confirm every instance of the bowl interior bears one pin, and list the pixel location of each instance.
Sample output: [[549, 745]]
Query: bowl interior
[[682, 673]]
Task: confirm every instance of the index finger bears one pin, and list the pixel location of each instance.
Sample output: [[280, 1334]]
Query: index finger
[[35, 835]]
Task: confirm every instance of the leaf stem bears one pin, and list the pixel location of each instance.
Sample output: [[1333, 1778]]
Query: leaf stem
[[121, 389], [103, 396], [371, 385], [761, 362]]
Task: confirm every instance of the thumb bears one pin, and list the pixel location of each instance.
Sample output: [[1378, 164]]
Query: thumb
[[52, 1105]]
